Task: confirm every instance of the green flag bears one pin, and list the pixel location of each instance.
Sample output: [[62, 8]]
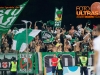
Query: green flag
[[58, 17], [50, 23], [9, 16], [47, 37]]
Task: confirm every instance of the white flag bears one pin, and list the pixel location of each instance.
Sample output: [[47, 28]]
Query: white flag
[[19, 42]]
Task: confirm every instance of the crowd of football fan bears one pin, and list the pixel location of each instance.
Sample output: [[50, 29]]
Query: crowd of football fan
[[75, 39]]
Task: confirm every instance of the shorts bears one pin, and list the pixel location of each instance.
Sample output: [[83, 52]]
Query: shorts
[[53, 69]]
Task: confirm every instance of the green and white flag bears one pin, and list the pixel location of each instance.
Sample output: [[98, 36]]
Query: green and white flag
[[58, 17], [19, 42], [9, 16], [47, 37]]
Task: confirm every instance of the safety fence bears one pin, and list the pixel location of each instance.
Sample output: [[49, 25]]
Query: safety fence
[[41, 62]]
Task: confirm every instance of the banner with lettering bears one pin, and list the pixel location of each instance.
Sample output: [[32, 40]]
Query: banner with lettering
[[22, 63], [47, 37], [58, 17], [44, 59], [9, 16], [5, 60], [41, 62]]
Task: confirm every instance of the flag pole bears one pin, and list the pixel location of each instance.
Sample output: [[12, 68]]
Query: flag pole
[[27, 42], [27, 47], [0, 40]]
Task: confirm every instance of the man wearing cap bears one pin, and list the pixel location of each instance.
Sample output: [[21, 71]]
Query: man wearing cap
[[13, 66], [83, 64]]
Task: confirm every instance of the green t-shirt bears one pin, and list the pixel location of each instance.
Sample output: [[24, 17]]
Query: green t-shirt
[[72, 41]]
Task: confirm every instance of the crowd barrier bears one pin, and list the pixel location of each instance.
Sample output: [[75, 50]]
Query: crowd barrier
[[41, 62]]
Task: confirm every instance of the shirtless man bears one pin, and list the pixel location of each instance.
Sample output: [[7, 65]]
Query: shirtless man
[[71, 31], [54, 49], [49, 48], [77, 46], [80, 29], [66, 45], [37, 47], [58, 33]]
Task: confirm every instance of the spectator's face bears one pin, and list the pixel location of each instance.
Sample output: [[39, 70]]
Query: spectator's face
[[80, 25], [50, 28], [65, 40], [72, 27], [94, 29], [58, 31], [60, 57], [58, 40], [97, 32], [37, 37], [36, 27], [54, 55]]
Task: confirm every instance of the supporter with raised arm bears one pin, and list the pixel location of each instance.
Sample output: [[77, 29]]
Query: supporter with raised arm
[[71, 31]]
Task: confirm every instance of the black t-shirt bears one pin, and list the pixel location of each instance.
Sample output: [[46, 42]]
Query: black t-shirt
[[9, 40], [85, 45], [81, 38]]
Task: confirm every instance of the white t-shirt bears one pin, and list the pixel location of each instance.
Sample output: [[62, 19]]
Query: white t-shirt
[[96, 47], [68, 36]]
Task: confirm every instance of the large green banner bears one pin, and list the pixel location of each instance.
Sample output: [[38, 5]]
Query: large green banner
[[68, 59], [5, 60], [44, 59], [38, 62], [22, 63]]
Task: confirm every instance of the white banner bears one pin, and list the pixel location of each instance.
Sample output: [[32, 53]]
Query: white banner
[[75, 70]]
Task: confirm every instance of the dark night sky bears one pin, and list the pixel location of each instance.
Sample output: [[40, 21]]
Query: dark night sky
[[44, 10]]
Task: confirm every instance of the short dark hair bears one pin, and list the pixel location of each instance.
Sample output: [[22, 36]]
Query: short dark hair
[[59, 55], [98, 27]]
